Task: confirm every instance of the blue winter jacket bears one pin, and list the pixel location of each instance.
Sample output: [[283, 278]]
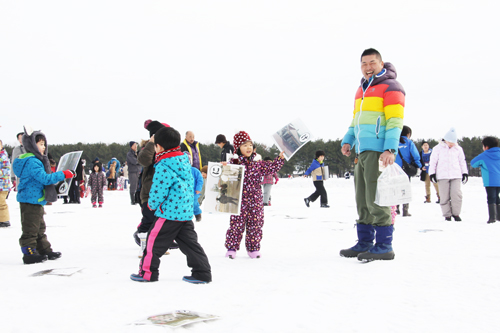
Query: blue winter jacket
[[33, 178], [489, 161], [316, 175], [426, 158], [409, 152], [172, 191], [118, 165], [198, 179]]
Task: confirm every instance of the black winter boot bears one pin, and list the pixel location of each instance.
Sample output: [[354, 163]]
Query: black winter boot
[[492, 212], [498, 212], [53, 255], [31, 256]]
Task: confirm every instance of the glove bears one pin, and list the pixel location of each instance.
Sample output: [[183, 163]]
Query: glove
[[69, 174], [433, 178], [465, 178], [276, 182]]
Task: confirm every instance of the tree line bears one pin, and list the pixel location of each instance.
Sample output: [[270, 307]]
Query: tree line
[[337, 163]]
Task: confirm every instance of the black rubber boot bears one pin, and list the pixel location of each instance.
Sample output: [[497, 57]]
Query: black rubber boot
[[492, 212]]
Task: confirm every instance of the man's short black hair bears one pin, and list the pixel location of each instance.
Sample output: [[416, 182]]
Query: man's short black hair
[[20, 133], [168, 138], [490, 142], [320, 153], [221, 138], [371, 51]]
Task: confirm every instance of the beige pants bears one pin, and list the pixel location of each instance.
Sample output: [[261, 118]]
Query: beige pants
[[428, 186], [451, 196], [4, 208]]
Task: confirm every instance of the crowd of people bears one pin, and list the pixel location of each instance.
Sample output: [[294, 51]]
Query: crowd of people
[[167, 179]]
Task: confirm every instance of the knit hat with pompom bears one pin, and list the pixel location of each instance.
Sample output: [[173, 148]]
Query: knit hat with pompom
[[240, 138], [153, 126]]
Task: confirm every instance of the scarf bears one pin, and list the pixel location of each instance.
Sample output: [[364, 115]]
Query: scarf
[[168, 153]]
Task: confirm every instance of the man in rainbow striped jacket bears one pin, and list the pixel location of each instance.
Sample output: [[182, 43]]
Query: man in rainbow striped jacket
[[374, 133]]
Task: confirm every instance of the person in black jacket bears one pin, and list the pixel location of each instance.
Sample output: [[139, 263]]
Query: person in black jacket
[[74, 189], [227, 148], [134, 168]]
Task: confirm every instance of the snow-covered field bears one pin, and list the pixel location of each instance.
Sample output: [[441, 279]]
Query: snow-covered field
[[445, 278]]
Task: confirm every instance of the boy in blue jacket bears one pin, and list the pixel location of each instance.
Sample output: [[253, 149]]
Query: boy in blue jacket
[[489, 161], [171, 197], [318, 175], [34, 190], [198, 186]]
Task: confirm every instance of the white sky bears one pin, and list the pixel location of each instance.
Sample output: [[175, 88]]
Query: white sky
[[93, 71]]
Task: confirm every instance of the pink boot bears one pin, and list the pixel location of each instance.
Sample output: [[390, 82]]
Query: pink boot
[[254, 254], [231, 254]]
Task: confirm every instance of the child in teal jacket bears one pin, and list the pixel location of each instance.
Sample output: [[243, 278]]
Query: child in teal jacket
[[171, 197]]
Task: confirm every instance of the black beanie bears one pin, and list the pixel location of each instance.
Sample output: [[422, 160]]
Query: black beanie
[[131, 143], [152, 126], [168, 138]]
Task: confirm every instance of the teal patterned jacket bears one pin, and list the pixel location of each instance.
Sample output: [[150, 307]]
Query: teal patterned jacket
[[172, 192]]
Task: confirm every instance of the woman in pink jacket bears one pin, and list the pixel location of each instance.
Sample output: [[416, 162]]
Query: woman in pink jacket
[[448, 168]]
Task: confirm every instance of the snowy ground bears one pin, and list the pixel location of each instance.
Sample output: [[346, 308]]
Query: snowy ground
[[444, 280]]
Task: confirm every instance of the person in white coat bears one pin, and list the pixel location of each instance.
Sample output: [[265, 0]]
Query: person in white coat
[[448, 168]]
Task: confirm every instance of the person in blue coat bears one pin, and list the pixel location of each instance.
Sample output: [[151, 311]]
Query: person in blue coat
[[489, 162], [409, 152], [34, 190], [318, 175]]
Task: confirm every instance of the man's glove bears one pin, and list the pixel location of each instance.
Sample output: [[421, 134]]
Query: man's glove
[[69, 174], [465, 178], [433, 178], [276, 181]]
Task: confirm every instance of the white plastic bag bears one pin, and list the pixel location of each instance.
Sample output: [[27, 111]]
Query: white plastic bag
[[393, 187]]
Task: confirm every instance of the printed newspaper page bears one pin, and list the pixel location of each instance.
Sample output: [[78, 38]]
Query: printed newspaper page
[[292, 137], [224, 188]]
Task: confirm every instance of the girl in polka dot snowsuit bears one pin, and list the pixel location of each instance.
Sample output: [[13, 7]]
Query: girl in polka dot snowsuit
[[251, 215]]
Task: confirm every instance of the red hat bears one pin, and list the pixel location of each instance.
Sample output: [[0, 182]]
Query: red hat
[[240, 138]]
